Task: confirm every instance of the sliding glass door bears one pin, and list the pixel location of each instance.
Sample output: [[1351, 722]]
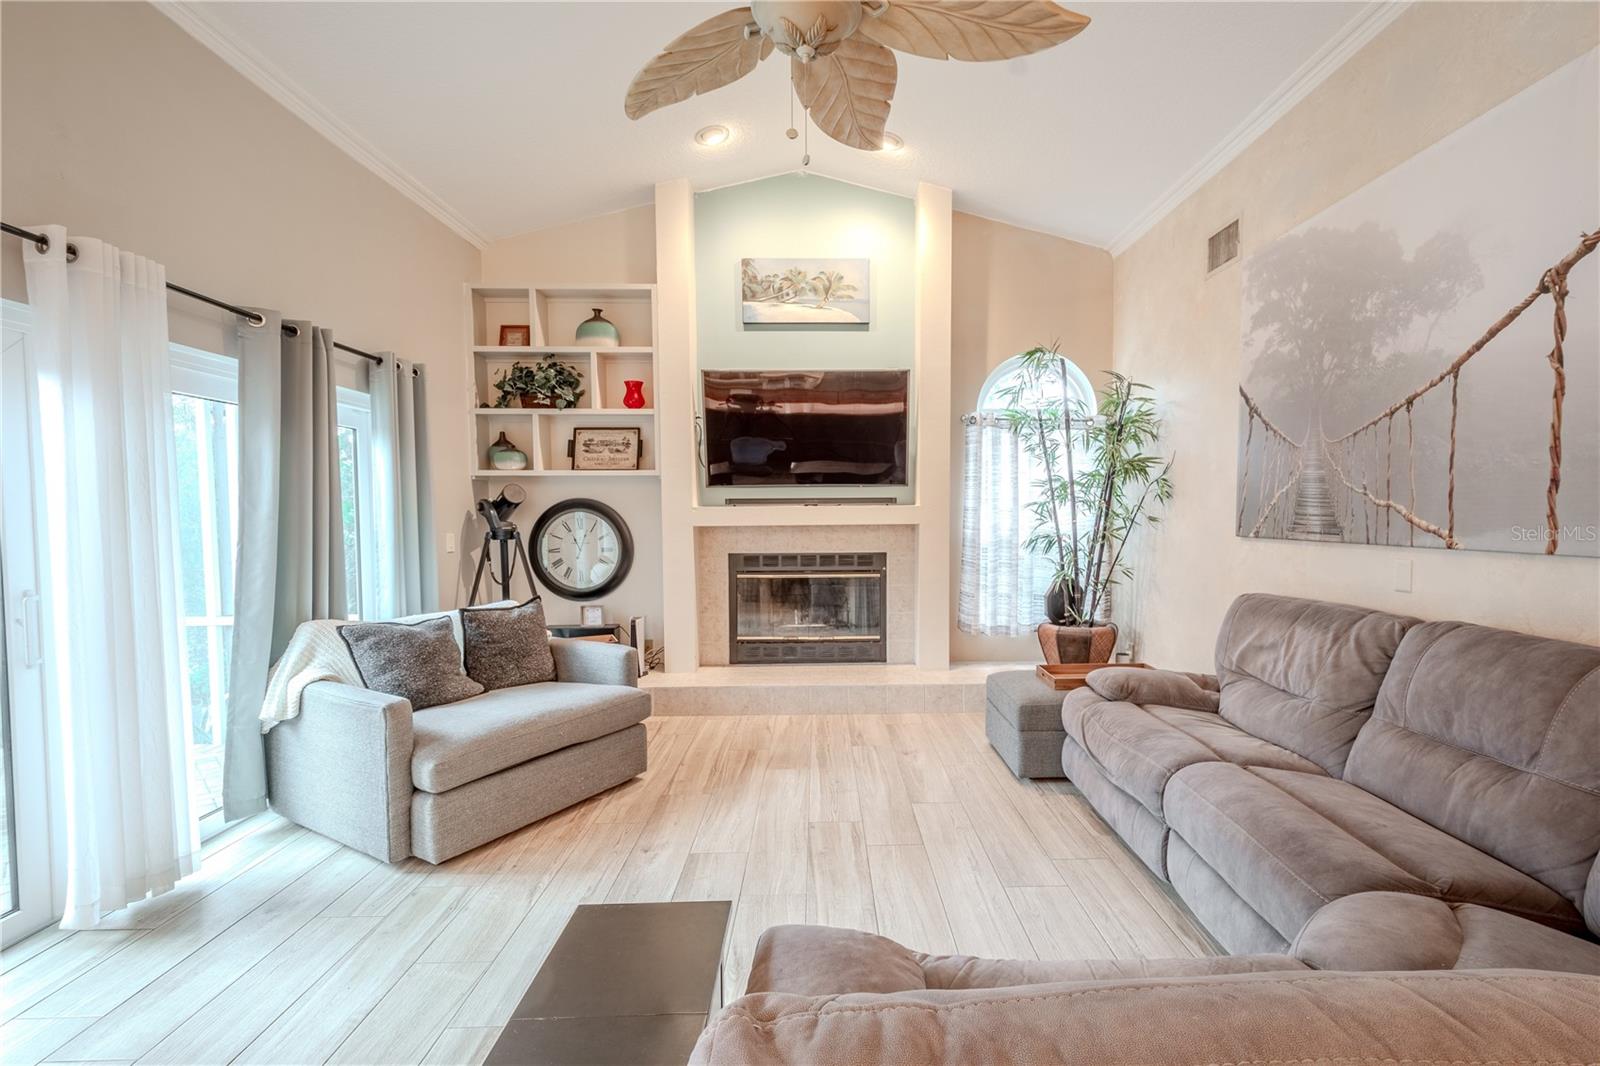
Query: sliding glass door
[[26, 902]]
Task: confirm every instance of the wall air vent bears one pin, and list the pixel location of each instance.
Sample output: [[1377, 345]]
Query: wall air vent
[[1223, 247]]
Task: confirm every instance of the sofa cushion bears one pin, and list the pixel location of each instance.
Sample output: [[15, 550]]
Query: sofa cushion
[[503, 647], [464, 741], [1303, 673], [1395, 931], [1140, 748], [1169, 688], [1492, 736], [816, 960], [417, 661], [1290, 843], [1457, 870], [1297, 1017]]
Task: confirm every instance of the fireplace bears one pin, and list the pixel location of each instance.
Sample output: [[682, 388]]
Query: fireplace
[[807, 607]]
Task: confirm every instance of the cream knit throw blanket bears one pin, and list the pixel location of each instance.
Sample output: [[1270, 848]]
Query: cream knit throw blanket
[[316, 652]]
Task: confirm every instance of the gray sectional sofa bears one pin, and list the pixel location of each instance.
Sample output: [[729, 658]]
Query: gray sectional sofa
[[1348, 752], [361, 767], [1392, 824]]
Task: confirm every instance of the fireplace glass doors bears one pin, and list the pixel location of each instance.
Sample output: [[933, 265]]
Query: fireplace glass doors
[[807, 607]]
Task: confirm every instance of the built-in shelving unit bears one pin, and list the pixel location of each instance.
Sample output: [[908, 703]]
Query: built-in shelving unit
[[551, 316]]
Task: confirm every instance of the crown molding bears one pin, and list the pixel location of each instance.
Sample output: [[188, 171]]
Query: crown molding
[[194, 19], [1350, 39]]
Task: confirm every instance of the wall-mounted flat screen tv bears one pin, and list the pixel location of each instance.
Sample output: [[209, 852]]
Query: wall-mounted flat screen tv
[[806, 427]]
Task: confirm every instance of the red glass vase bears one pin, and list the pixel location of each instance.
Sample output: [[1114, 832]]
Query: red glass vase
[[633, 394]]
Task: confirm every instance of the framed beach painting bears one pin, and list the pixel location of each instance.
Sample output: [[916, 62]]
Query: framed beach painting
[[805, 291]]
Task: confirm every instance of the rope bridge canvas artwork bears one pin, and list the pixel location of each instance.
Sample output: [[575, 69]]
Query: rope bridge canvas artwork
[[1421, 361]]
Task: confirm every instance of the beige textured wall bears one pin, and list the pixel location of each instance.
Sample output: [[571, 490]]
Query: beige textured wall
[[1435, 68], [1012, 289], [619, 247], [119, 125]]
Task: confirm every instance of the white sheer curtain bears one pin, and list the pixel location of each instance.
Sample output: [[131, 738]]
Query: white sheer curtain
[[402, 494], [1002, 586], [99, 367]]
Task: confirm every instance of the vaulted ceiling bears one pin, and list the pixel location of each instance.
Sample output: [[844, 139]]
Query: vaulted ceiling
[[507, 117]]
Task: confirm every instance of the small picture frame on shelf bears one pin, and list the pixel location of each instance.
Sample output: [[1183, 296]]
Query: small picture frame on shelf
[[594, 616], [516, 336], [606, 448]]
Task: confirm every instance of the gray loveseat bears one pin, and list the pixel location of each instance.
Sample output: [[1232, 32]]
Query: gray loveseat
[[1370, 791], [362, 768]]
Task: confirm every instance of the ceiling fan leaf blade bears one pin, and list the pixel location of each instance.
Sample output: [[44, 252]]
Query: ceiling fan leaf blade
[[847, 93], [709, 56], [972, 30]]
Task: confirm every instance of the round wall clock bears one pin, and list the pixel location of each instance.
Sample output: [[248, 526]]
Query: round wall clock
[[581, 549]]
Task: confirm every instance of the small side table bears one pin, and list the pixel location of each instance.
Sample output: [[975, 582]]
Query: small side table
[[625, 983], [1023, 722]]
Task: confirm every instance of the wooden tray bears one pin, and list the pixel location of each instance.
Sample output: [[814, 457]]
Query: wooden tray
[[1066, 676]]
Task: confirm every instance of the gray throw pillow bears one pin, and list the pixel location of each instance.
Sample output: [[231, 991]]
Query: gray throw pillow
[[418, 661], [507, 646]]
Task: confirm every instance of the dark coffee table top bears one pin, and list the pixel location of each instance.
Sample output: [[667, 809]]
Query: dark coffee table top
[[625, 983]]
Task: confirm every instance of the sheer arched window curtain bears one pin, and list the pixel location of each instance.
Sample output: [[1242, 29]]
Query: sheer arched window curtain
[[1003, 584]]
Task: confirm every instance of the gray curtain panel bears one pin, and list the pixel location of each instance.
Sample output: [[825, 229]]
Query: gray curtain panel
[[407, 578], [290, 566]]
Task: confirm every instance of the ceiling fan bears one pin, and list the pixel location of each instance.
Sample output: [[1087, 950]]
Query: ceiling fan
[[839, 52]]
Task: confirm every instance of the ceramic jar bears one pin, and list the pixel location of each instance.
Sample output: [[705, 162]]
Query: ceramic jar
[[633, 394], [503, 455], [598, 332]]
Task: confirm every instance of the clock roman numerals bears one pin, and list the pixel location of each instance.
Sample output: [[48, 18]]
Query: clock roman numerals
[[582, 549]]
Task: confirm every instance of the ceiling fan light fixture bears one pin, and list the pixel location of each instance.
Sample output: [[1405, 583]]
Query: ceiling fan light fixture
[[842, 52], [892, 142], [712, 136]]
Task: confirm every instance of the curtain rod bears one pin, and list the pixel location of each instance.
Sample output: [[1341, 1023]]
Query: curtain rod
[[41, 241]]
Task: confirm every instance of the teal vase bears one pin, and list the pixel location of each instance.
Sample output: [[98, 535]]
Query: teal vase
[[597, 332], [503, 455]]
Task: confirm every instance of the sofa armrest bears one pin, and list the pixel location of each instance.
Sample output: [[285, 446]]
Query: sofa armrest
[[1400, 931], [1164, 688], [342, 767], [590, 662]]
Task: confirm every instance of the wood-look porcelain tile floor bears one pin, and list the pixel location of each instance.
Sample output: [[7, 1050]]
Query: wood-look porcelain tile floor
[[288, 948]]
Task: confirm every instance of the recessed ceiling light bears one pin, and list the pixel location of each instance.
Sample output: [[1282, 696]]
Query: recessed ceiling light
[[712, 136], [892, 143]]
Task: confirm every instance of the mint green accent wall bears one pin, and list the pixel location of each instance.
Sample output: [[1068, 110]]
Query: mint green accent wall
[[804, 217]]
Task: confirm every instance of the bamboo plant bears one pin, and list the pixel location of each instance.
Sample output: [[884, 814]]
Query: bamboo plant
[[1084, 517]]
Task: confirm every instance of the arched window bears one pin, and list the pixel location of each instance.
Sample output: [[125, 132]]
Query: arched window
[[1003, 583], [994, 396]]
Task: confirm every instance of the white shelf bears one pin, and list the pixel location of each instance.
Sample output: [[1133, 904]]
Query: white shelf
[[563, 473], [560, 349], [619, 412], [543, 433]]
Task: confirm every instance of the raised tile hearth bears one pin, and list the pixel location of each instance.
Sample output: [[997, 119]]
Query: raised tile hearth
[[821, 689]]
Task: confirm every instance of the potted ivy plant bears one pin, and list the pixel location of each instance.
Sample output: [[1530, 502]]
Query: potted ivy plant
[[547, 383], [1103, 477]]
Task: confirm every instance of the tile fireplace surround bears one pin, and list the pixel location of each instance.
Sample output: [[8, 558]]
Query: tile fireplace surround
[[713, 545]]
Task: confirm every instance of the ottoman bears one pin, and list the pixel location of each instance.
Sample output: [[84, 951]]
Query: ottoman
[[1023, 722]]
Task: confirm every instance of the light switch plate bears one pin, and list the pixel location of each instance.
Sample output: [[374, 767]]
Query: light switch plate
[[449, 543], [1402, 575]]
